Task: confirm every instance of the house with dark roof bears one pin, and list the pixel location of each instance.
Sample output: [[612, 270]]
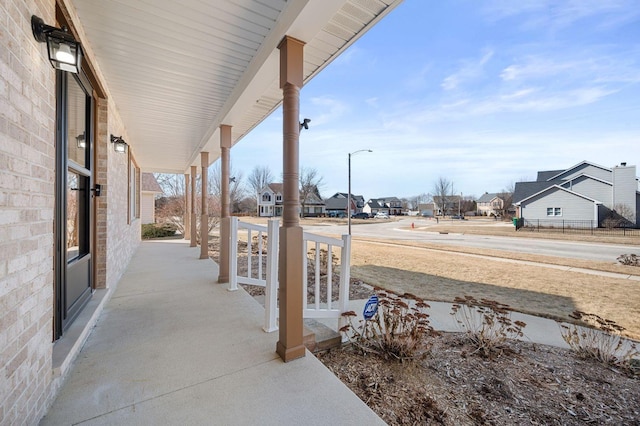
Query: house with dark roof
[[394, 204], [375, 205], [312, 205], [584, 192], [489, 204], [270, 201], [337, 203]]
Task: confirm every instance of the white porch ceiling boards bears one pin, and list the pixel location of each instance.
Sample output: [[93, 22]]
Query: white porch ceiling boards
[[177, 70]]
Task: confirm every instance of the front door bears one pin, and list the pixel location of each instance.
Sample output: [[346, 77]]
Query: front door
[[74, 198]]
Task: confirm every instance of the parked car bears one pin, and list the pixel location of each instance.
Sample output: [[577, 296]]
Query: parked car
[[457, 216], [381, 215], [361, 215]]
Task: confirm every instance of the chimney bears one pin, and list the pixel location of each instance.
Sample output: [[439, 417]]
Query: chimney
[[625, 186]]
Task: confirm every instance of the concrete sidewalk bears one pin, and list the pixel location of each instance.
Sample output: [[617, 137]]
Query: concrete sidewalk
[[173, 347]]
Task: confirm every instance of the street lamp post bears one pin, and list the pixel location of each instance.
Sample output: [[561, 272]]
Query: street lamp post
[[349, 194]]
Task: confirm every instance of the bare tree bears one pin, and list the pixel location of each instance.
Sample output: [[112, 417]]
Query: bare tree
[[442, 190], [236, 190], [310, 183], [171, 184], [507, 198], [259, 177], [621, 216], [170, 208]]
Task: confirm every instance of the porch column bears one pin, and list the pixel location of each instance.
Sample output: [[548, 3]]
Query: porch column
[[225, 213], [187, 208], [204, 217], [194, 232], [290, 345]]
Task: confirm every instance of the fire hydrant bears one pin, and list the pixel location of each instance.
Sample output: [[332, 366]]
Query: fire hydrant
[[412, 226]]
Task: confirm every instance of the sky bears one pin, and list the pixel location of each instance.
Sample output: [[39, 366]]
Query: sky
[[481, 93]]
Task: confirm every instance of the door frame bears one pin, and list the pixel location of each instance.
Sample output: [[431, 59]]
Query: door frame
[[63, 316]]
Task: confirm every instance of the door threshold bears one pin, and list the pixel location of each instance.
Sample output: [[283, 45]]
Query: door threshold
[[67, 348]]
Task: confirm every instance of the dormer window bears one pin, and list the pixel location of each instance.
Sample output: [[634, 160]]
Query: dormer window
[[278, 197]]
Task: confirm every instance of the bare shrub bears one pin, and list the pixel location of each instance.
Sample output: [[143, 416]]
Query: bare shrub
[[171, 210], [603, 343], [256, 244], [629, 259], [398, 331], [487, 323], [324, 260]]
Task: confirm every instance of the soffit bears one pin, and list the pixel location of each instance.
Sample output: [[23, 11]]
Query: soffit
[[178, 70]]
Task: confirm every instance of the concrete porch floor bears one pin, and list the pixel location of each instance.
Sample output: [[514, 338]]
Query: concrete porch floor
[[174, 347]]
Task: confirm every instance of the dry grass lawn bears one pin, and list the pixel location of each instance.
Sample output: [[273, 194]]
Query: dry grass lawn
[[443, 275], [442, 272]]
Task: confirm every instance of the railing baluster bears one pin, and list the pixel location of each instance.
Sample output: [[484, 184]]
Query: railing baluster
[[317, 277], [345, 280], [329, 275], [271, 290], [249, 265], [260, 234], [305, 261], [233, 255]]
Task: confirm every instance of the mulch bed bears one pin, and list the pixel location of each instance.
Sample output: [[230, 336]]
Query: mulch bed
[[525, 384]]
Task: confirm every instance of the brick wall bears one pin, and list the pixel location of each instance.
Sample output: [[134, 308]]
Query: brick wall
[[123, 234], [27, 158], [27, 200]]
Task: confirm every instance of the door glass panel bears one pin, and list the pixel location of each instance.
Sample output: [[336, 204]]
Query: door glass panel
[[76, 123], [77, 241]]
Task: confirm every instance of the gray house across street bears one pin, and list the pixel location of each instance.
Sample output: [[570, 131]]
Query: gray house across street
[[586, 192]]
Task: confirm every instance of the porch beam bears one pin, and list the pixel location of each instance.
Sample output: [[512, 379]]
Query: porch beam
[[194, 232], [204, 217], [187, 208], [225, 213], [290, 344]]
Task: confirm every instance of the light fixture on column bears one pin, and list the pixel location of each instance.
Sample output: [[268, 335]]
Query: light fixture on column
[[65, 53], [232, 179], [119, 145], [305, 123]]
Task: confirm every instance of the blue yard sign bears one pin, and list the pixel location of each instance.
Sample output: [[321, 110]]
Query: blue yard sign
[[371, 307]]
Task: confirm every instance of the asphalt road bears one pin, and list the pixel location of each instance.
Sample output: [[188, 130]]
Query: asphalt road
[[397, 230]]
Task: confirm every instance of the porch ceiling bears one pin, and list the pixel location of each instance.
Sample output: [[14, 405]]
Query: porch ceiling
[[178, 70]]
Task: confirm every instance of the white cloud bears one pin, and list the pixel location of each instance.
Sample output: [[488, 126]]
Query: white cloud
[[470, 70], [581, 69], [554, 15]]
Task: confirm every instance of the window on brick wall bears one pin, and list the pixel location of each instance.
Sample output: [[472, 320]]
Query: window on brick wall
[[134, 189]]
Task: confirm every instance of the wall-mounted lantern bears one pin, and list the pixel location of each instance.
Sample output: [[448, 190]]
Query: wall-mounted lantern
[[119, 145], [80, 141], [65, 53]]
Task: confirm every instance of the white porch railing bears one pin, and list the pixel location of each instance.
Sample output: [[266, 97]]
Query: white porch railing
[[326, 307], [268, 277], [318, 253]]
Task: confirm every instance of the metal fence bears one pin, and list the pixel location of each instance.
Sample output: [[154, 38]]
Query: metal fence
[[582, 227]]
